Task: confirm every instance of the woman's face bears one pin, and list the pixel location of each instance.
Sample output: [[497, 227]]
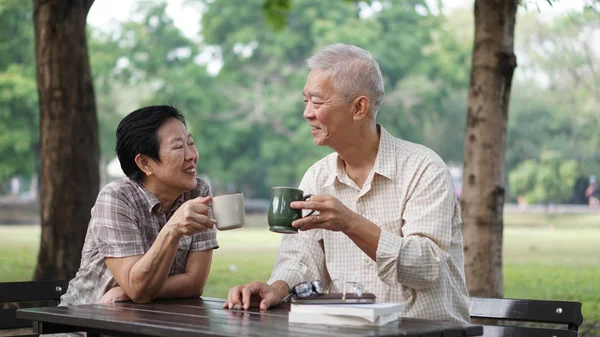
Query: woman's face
[[176, 171]]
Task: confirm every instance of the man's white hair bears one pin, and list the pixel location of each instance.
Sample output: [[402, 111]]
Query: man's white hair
[[354, 70]]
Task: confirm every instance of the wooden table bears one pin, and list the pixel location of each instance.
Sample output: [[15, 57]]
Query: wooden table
[[205, 317]]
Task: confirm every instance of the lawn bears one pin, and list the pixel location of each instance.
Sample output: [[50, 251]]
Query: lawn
[[545, 257]]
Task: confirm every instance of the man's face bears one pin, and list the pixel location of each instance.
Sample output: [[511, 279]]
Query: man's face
[[326, 110]]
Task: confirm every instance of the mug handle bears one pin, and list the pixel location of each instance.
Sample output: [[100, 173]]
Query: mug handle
[[304, 198]]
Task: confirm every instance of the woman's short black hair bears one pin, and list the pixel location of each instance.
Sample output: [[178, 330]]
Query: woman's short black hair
[[137, 134]]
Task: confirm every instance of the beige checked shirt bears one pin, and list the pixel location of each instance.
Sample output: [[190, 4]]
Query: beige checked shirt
[[125, 221], [419, 259]]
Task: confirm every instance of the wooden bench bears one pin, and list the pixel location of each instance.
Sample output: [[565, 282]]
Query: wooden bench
[[553, 313], [17, 295]]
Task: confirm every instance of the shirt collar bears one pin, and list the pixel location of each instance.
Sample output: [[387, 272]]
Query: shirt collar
[[180, 200], [337, 173], [152, 201], [385, 162]]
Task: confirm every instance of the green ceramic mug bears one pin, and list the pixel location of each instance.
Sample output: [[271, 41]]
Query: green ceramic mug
[[281, 215]]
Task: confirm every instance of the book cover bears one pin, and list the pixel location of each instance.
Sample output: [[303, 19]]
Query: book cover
[[319, 318], [369, 312], [336, 298]]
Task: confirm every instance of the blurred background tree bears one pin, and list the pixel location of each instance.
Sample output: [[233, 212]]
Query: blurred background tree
[[19, 114], [69, 153], [550, 179], [247, 115]]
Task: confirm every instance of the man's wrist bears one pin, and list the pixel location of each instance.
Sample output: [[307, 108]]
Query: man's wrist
[[282, 288], [352, 224]]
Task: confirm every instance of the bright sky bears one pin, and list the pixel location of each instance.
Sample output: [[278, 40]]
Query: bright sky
[[102, 15]]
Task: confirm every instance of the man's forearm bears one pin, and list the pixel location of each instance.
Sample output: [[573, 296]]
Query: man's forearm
[[148, 275], [365, 235]]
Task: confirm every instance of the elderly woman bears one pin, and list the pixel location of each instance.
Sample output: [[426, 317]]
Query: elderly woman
[[149, 235]]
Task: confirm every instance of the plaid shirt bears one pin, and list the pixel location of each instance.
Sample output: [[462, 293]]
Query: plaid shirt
[[126, 221], [419, 260]]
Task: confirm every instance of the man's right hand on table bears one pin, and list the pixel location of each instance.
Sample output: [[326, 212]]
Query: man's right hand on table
[[240, 296]]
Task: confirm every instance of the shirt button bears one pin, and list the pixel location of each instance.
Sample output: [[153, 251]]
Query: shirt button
[[367, 260]]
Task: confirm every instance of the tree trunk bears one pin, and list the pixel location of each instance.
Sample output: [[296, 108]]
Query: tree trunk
[[485, 145], [69, 134]]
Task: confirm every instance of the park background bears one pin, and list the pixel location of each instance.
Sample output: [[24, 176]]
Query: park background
[[239, 84]]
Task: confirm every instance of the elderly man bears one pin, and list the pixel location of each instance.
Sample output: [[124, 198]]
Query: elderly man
[[387, 214]]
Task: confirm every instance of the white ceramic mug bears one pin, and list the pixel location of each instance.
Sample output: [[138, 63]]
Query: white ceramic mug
[[228, 211]]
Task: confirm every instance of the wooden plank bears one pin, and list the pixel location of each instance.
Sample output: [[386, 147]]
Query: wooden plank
[[8, 320], [514, 331], [450, 328], [559, 312], [205, 317], [27, 294], [156, 323], [32, 291]]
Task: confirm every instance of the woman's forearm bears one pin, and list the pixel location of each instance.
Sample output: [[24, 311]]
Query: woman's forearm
[[148, 275], [191, 282], [179, 286]]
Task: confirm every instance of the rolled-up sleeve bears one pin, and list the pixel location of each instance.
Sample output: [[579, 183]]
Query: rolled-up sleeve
[[299, 259], [115, 223], [415, 258], [204, 240], [300, 256]]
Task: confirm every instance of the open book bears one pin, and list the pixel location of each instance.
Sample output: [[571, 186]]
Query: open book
[[345, 314]]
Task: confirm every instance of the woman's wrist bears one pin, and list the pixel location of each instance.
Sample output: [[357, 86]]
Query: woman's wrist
[[171, 232]]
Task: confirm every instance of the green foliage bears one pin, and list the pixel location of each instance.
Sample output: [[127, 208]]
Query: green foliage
[[19, 117], [247, 119], [549, 179], [16, 40], [276, 11], [264, 73], [561, 114], [133, 64]]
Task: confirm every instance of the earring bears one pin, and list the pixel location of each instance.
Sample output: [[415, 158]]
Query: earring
[[149, 173]]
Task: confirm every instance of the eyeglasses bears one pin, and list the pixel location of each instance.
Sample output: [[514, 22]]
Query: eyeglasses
[[348, 287], [309, 288], [305, 289]]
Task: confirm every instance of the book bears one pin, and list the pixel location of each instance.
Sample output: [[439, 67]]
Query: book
[[352, 314], [335, 298], [318, 318]]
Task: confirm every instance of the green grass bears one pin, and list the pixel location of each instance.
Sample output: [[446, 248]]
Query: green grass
[[555, 264], [244, 255], [545, 257], [552, 220], [560, 246], [558, 283], [18, 252]]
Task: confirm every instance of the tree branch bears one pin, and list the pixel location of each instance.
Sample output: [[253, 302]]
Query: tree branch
[[257, 113]]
